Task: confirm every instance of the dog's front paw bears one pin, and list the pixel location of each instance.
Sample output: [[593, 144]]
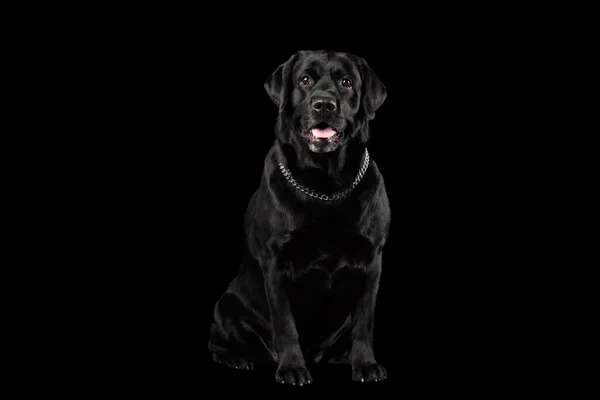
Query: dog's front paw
[[293, 375], [368, 372]]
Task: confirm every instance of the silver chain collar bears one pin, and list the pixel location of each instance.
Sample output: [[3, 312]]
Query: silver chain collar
[[337, 196]]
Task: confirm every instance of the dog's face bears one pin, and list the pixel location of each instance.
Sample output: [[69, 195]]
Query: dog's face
[[325, 98]]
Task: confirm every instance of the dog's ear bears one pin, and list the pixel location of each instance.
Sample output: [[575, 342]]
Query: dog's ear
[[276, 84], [374, 91]]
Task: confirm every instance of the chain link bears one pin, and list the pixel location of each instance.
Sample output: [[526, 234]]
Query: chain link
[[337, 196]]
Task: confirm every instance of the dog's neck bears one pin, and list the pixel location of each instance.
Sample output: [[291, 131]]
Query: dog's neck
[[324, 172]]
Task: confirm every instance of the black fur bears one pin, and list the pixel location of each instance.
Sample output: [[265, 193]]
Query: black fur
[[310, 270]]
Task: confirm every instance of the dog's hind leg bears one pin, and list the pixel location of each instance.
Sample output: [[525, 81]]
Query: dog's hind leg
[[341, 359], [234, 341], [336, 349]]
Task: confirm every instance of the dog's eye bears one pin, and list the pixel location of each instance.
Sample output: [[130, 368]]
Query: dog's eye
[[346, 82], [305, 80]]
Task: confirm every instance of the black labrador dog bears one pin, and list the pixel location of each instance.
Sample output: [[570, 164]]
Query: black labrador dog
[[314, 230]]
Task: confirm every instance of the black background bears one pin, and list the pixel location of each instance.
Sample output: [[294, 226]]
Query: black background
[[193, 125]]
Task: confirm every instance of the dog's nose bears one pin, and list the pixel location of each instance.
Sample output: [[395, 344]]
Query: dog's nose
[[323, 104]]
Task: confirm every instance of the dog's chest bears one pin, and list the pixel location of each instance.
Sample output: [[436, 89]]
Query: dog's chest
[[322, 256]]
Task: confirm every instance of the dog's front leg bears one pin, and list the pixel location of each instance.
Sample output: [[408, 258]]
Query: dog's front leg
[[362, 356], [291, 368]]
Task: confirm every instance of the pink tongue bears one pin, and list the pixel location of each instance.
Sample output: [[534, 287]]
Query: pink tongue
[[323, 133]]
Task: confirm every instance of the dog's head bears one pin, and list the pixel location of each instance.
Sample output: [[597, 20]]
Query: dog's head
[[325, 98]]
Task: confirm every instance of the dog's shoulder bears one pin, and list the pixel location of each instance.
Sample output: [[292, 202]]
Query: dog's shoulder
[[373, 192]]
